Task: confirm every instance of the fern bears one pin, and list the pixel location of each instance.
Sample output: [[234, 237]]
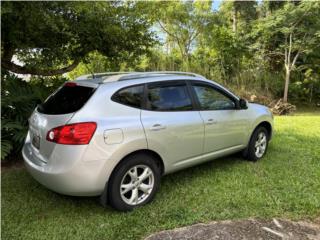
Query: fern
[[19, 98], [6, 147]]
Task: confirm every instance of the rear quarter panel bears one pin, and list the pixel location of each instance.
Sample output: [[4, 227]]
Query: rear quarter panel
[[110, 116]]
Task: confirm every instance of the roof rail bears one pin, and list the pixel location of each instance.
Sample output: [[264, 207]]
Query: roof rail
[[100, 75], [121, 76], [134, 75]]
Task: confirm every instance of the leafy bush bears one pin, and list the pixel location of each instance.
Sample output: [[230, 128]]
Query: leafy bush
[[19, 98], [307, 88]]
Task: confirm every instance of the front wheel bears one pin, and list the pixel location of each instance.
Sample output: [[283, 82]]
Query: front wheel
[[134, 182], [258, 144]]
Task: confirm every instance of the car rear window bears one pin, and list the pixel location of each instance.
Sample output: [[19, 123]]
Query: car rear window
[[67, 99]]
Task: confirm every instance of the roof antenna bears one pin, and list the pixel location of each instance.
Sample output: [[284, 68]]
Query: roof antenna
[[92, 73]]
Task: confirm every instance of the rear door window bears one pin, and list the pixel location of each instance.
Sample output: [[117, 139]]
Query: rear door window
[[67, 99], [130, 96], [169, 97]]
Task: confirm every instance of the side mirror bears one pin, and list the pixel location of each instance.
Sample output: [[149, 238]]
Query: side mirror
[[243, 104]]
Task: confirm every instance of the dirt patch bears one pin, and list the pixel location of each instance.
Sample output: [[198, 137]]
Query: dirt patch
[[8, 165], [251, 229]]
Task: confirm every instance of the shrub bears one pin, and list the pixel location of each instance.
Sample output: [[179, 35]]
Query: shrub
[[19, 98]]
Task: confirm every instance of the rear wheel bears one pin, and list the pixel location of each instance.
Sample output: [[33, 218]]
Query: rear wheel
[[134, 182], [258, 144]]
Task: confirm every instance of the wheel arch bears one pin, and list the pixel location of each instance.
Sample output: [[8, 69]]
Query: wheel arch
[[149, 152], [264, 123], [267, 125]]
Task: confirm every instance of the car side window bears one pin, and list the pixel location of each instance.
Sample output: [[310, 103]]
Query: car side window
[[211, 99], [130, 96], [169, 98]]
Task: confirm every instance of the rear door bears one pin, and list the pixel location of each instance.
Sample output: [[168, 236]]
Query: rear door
[[57, 110], [225, 125], [172, 126]]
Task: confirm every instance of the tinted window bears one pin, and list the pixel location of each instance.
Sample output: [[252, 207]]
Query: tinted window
[[67, 99], [211, 99], [169, 98], [131, 96]]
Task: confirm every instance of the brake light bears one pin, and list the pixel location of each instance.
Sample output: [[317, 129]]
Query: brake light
[[72, 134], [70, 84]]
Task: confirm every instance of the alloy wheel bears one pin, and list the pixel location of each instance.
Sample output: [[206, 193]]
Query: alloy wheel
[[137, 184], [260, 144]]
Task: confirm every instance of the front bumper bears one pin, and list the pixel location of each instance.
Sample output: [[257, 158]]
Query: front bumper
[[64, 175]]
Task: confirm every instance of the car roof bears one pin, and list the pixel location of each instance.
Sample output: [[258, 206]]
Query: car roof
[[142, 77], [123, 76]]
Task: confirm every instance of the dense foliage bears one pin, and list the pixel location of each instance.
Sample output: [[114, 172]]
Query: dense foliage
[[269, 48], [18, 100], [53, 37]]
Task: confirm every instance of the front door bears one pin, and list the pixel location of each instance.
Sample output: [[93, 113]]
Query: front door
[[225, 125]]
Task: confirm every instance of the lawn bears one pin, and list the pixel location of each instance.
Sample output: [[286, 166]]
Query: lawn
[[284, 184]]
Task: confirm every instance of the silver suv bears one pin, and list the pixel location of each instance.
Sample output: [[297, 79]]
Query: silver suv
[[116, 134]]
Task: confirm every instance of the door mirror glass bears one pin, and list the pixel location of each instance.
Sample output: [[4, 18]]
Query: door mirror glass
[[243, 103]]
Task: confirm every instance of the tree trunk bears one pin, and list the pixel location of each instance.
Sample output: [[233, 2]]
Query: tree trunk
[[8, 65], [286, 85], [187, 63], [234, 20]]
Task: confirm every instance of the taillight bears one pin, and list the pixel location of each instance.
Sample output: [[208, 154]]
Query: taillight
[[72, 134]]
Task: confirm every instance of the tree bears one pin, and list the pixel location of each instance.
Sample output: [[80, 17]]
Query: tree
[[51, 38], [182, 22], [224, 51], [292, 31], [239, 12], [268, 7], [223, 43]]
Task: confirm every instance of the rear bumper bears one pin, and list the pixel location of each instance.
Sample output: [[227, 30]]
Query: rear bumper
[[75, 177]]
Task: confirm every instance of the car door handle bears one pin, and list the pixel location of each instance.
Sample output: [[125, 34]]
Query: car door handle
[[157, 127], [211, 121]]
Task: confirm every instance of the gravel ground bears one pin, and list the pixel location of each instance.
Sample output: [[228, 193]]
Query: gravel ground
[[252, 229]]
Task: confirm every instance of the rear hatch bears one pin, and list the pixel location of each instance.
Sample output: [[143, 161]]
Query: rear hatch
[[57, 110]]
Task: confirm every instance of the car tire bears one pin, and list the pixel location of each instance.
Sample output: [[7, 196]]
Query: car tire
[[258, 144], [134, 182]]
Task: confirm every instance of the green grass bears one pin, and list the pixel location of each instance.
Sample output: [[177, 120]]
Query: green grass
[[286, 184], [307, 110]]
